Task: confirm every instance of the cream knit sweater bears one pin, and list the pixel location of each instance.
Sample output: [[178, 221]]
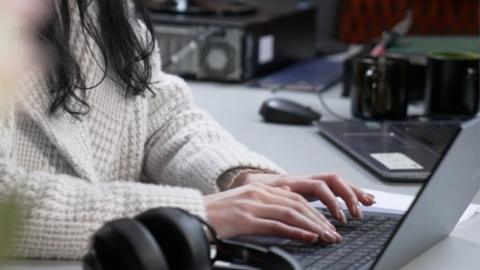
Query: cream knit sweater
[[127, 155]]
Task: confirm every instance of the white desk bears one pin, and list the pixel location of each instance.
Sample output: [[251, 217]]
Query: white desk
[[301, 150]]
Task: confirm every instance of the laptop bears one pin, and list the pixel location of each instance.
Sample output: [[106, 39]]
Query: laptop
[[398, 151], [386, 241]]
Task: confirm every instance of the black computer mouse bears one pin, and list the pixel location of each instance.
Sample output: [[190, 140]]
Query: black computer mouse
[[283, 111]]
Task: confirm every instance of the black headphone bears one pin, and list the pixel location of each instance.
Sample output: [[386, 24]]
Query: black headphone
[[173, 239]]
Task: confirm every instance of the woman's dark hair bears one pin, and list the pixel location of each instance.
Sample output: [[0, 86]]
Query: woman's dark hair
[[126, 53]]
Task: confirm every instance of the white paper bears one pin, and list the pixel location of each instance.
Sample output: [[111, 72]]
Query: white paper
[[399, 203]]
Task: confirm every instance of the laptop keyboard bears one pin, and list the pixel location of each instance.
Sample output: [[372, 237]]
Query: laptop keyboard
[[363, 240], [437, 136]]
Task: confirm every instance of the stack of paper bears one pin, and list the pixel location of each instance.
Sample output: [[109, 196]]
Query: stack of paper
[[399, 203]]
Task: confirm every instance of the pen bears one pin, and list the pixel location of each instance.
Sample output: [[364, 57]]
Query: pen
[[389, 37]]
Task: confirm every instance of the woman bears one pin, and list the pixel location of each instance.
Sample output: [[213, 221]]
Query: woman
[[102, 133]]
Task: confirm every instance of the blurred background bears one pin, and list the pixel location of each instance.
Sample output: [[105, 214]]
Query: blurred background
[[250, 40], [336, 25], [360, 21]]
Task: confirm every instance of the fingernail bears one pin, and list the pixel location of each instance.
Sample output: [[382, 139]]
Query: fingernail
[[341, 216], [310, 237], [369, 197], [328, 236], [338, 236]]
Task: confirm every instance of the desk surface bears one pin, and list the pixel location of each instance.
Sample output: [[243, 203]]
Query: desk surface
[[298, 149], [301, 150]]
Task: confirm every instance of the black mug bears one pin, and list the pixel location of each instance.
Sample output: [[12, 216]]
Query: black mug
[[452, 87], [380, 88]]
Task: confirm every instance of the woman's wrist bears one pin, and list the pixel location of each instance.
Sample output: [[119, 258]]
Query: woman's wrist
[[246, 177], [240, 176], [240, 179]]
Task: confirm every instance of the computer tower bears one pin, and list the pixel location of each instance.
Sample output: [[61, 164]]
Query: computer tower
[[244, 45]]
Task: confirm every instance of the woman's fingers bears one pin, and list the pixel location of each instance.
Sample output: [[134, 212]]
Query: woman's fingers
[[274, 205], [292, 218], [365, 198], [297, 204], [300, 208], [307, 209], [267, 210], [281, 210], [320, 190], [277, 228], [344, 191]]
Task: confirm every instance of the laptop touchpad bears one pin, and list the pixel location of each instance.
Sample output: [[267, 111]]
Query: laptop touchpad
[[376, 141]]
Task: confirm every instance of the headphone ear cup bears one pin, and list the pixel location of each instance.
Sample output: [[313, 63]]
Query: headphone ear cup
[[124, 244], [90, 261], [181, 237]]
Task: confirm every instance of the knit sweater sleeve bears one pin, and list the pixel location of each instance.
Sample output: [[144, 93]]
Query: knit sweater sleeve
[[186, 146], [61, 212]]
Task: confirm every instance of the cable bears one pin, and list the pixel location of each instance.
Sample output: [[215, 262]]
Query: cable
[[192, 45], [320, 93]]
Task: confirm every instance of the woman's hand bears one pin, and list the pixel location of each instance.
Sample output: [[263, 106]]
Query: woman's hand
[[259, 208], [325, 187]]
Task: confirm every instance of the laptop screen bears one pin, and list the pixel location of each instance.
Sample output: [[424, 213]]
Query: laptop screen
[[439, 203]]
